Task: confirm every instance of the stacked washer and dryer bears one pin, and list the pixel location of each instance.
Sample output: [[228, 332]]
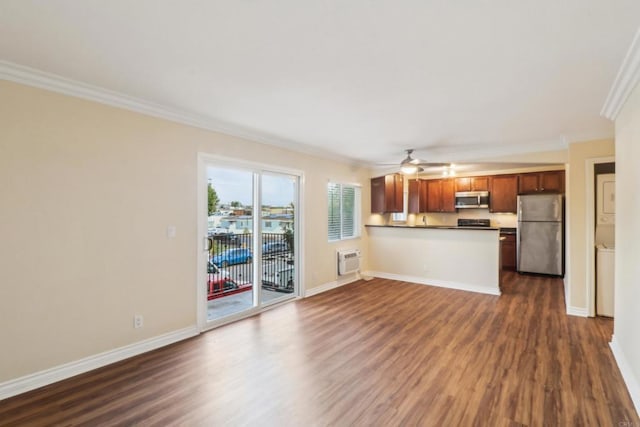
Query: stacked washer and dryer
[[605, 243]]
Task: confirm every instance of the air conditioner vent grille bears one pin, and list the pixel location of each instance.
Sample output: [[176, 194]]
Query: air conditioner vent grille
[[348, 261]]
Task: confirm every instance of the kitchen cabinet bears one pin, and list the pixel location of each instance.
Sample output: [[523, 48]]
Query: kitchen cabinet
[[387, 194], [541, 182], [508, 251], [441, 195], [417, 202], [503, 196], [473, 183]]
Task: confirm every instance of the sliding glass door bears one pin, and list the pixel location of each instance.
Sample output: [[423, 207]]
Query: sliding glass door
[[278, 232], [230, 213], [249, 229]]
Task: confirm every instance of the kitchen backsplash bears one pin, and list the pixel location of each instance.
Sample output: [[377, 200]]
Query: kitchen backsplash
[[497, 220]]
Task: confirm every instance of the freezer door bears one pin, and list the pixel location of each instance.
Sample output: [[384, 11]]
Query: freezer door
[[540, 247], [540, 207]]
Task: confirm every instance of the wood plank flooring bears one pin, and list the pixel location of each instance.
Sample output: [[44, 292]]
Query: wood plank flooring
[[382, 353]]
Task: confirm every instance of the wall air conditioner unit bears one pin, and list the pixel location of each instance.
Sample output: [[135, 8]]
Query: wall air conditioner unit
[[348, 261]]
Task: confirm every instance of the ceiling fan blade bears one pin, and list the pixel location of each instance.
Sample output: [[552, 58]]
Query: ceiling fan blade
[[432, 164]]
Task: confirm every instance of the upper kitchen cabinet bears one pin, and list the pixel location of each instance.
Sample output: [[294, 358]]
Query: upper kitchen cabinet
[[387, 194], [441, 195], [503, 196], [541, 182], [473, 183], [417, 196]]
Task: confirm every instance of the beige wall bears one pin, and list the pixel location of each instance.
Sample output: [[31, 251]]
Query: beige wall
[[576, 218], [627, 270], [87, 193]]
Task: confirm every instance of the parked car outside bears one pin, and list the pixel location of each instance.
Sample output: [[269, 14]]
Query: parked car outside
[[275, 248], [214, 269], [278, 277], [224, 237], [217, 230], [232, 256], [220, 284]]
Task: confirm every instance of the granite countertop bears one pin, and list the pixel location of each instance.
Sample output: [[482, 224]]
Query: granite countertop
[[508, 230], [445, 227]]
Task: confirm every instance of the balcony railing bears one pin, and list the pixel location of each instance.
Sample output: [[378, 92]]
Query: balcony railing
[[230, 266]]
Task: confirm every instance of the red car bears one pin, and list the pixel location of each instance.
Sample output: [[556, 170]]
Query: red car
[[219, 284]]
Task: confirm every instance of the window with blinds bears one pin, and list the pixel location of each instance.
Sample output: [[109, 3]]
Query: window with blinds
[[344, 205]]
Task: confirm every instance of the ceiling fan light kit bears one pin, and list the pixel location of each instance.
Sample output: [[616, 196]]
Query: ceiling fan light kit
[[449, 170], [409, 169]]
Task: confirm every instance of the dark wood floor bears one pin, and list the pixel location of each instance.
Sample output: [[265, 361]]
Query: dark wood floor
[[371, 353]]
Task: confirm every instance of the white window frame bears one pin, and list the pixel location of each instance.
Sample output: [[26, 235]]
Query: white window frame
[[356, 211]]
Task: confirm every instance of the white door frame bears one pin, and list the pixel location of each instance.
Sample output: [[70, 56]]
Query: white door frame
[[591, 229], [204, 160]]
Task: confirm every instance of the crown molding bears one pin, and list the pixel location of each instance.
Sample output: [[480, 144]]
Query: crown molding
[[52, 82], [626, 80]]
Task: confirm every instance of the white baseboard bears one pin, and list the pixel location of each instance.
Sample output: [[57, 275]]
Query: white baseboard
[[633, 384], [331, 285], [439, 283], [577, 311], [68, 370]]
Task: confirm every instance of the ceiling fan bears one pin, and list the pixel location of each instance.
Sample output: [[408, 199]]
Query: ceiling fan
[[409, 165], [413, 166]]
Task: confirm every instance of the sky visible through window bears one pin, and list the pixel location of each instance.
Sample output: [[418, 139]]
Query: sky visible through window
[[236, 185]]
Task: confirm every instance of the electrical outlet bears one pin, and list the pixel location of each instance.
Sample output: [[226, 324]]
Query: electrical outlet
[[138, 321]]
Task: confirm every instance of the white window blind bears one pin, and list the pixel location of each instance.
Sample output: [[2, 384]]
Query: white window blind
[[343, 209]]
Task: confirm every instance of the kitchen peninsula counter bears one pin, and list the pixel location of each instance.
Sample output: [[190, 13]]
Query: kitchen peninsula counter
[[446, 256], [448, 227]]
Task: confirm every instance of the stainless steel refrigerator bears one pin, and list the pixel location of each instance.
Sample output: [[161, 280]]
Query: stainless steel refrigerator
[[540, 234]]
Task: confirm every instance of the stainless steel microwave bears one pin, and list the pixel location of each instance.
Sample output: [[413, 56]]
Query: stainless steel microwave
[[472, 199]]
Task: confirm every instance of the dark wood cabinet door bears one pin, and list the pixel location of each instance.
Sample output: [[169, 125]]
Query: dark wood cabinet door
[[448, 195], [387, 194], [434, 195], [377, 195], [473, 183], [417, 202], [463, 184], [541, 182], [479, 183], [423, 196], [413, 204], [397, 202], [529, 183], [503, 196], [552, 182], [508, 251]]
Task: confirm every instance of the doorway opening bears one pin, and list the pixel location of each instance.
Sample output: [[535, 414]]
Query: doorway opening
[[600, 233]]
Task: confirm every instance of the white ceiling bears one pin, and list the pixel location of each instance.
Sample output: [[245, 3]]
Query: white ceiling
[[362, 79]]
